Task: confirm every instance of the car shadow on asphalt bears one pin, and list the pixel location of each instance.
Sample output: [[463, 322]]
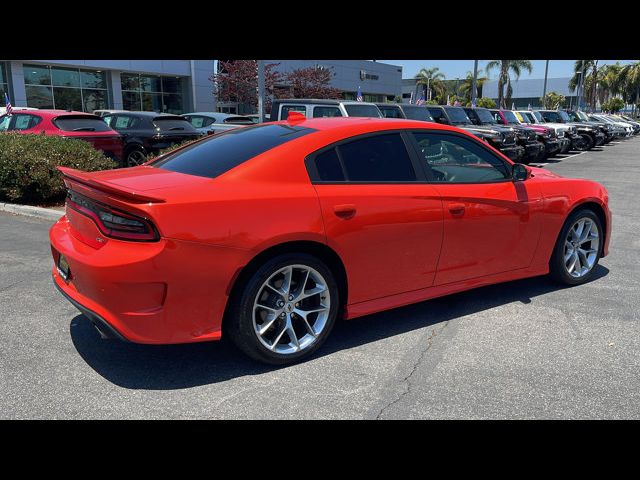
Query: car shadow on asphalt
[[169, 367]]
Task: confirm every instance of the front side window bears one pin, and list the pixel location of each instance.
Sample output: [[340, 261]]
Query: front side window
[[379, 158], [417, 113], [458, 116], [454, 159]]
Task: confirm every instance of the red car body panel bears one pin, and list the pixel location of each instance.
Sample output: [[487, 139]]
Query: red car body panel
[[107, 141], [398, 243]]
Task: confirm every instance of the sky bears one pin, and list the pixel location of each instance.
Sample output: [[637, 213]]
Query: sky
[[459, 68]]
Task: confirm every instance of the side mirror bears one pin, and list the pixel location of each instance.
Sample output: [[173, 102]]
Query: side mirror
[[520, 172]]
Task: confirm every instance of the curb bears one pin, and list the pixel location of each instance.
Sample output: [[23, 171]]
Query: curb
[[29, 211]]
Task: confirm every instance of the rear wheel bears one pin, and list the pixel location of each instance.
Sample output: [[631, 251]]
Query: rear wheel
[[584, 143], [577, 249], [135, 156], [285, 311]]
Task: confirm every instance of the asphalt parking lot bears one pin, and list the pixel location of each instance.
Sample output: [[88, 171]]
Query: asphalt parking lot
[[526, 349]]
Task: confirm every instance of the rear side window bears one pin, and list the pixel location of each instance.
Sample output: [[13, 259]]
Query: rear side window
[[199, 121], [362, 110], [220, 153], [381, 158], [81, 124], [120, 122], [418, 113], [438, 114], [391, 112], [328, 166], [24, 122], [322, 112], [284, 112], [173, 125]]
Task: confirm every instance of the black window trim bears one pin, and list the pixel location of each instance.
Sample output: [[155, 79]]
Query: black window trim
[[429, 173], [314, 176]]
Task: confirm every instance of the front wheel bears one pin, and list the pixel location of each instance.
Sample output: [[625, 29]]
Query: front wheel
[[577, 249], [285, 311], [584, 143]]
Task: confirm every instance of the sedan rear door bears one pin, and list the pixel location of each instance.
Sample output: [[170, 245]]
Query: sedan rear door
[[379, 215]]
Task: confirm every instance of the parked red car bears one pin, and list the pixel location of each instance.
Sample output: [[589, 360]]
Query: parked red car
[[84, 126], [268, 233]]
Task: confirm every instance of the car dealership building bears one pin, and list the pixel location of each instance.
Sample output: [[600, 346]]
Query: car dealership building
[[172, 86]]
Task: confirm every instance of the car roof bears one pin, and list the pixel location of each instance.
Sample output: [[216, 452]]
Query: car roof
[[315, 101], [151, 115], [337, 123], [57, 113], [215, 114]]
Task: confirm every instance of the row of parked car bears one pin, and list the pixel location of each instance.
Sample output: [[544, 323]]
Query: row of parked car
[[522, 135], [127, 137]]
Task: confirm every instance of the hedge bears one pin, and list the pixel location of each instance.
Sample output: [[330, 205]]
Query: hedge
[[28, 164]]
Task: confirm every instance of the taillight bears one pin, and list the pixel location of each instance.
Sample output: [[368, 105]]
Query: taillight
[[112, 222]]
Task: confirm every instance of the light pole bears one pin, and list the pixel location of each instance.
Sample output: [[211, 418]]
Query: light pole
[[261, 90], [428, 88], [579, 72], [544, 88]]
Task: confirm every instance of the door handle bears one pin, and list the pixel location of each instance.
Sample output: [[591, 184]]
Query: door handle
[[456, 209], [345, 211]]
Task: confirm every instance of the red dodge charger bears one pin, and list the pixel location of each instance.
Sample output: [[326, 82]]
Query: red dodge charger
[[269, 233]]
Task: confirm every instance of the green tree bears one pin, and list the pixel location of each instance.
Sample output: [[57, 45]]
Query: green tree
[[613, 105], [553, 100], [486, 102], [630, 82], [589, 70], [467, 85], [432, 80], [505, 68]]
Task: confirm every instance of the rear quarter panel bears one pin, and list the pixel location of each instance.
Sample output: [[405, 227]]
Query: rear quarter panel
[[561, 197]]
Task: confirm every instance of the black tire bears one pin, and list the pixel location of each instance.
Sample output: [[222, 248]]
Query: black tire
[[557, 268], [134, 156], [589, 142], [238, 323]]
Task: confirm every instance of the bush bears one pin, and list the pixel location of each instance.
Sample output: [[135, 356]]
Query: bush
[[28, 164], [485, 102]]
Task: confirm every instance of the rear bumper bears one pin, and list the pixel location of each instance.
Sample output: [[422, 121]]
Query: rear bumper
[[162, 292]]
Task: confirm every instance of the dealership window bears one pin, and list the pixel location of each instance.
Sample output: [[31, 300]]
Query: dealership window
[[151, 93], [4, 82], [65, 88]]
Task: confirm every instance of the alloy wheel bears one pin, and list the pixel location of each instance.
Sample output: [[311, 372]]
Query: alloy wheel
[[291, 309], [581, 247], [136, 157]]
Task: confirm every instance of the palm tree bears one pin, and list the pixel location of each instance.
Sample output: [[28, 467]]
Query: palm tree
[[608, 82], [431, 79], [467, 85], [505, 67], [630, 82]]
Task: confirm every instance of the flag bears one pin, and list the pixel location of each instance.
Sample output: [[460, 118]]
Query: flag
[[411, 99], [456, 103], [359, 96], [420, 101], [529, 108], [473, 103], [513, 105], [448, 101], [8, 104]]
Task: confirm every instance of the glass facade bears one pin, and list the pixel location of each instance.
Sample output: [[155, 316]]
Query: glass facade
[[4, 83], [65, 88], [152, 93]]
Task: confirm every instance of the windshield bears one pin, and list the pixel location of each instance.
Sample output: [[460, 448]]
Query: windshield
[[538, 117], [511, 117], [81, 124], [485, 116], [564, 116], [583, 116], [222, 152], [362, 110], [523, 117], [417, 113], [457, 116], [173, 124]]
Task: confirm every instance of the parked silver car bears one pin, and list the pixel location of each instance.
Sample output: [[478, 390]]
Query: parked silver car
[[215, 122]]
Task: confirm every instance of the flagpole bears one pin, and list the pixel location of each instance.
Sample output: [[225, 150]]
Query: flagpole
[[261, 90]]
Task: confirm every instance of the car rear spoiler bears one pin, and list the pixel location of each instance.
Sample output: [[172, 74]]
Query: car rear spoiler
[[85, 179]]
